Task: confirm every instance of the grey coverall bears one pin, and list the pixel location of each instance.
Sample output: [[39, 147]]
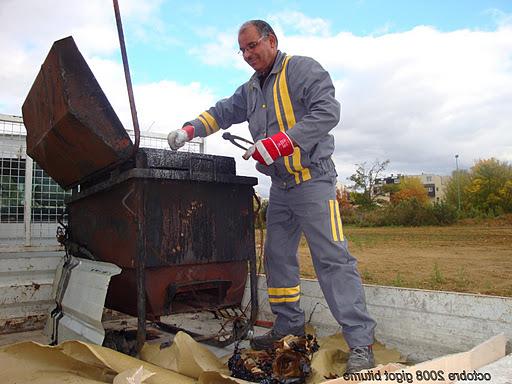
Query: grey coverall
[[297, 97]]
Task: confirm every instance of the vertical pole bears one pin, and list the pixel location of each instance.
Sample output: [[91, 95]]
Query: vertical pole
[[27, 212], [141, 267], [127, 77], [141, 255], [458, 181], [202, 146]]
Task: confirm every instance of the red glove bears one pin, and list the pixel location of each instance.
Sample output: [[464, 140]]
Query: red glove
[[267, 150]]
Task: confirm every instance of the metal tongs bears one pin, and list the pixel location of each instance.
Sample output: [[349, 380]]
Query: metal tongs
[[233, 138]]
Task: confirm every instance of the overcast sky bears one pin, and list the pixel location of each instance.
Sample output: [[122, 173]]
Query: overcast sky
[[418, 81]]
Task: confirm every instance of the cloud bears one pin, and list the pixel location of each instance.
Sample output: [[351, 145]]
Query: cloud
[[221, 51], [299, 23], [420, 96], [27, 35], [501, 18]]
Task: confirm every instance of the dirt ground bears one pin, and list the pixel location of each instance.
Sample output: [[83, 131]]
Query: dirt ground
[[462, 258]]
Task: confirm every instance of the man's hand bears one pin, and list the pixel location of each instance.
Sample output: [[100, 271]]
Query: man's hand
[[179, 137], [265, 151]]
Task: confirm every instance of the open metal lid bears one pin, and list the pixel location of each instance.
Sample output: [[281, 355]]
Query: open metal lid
[[73, 132]]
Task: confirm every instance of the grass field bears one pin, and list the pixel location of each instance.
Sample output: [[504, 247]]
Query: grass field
[[462, 258]]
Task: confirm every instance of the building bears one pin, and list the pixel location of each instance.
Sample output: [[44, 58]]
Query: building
[[435, 185], [381, 182]]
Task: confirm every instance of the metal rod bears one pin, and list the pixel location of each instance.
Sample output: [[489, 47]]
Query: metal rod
[[29, 166], [127, 77], [140, 262], [141, 272], [458, 181], [253, 278]]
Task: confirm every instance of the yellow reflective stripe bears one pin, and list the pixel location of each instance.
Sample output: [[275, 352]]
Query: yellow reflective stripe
[[206, 125], [290, 120], [338, 218], [333, 223], [213, 123], [284, 291], [281, 128], [283, 299], [285, 96]]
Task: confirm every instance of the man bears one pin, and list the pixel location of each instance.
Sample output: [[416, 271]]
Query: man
[[290, 106]]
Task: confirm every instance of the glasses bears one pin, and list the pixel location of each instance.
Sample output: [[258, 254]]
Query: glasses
[[251, 46]]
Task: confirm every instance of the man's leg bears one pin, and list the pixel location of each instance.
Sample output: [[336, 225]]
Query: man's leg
[[336, 269], [282, 270]]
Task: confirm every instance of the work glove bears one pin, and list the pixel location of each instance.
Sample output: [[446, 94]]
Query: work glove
[[265, 151], [179, 137]]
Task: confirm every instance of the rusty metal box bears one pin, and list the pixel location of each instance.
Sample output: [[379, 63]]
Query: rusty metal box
[[188, 214]]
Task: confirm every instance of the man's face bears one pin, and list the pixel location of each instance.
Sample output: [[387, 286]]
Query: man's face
[[258, 52]]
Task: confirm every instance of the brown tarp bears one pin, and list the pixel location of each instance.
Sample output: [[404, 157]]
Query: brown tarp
[[187, 361]]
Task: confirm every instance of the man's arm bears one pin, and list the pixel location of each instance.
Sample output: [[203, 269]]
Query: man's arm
[[225, 113]]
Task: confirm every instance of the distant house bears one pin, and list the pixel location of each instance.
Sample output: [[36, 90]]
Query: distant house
[[381, 182], [435, 185]]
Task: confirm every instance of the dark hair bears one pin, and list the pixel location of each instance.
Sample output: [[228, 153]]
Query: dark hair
[[263, 27]]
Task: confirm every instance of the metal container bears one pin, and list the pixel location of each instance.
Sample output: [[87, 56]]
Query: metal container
[[180, 225], [189, 216], [72, 130]]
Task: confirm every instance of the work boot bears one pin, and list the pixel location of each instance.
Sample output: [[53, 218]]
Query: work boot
[[360, 358], [265, 341]]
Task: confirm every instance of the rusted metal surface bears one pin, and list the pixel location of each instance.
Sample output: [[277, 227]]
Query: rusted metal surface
[[180, 288], [72, 130], [196, 237]]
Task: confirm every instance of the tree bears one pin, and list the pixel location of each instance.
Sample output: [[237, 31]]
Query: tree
[[486, 188], [489, 190], [343, 198], [456, 189], [365, 180], [408, 189]]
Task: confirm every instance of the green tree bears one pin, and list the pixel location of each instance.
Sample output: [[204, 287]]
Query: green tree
[[490, 187], [456, 188], [485, 189], [365, 194]]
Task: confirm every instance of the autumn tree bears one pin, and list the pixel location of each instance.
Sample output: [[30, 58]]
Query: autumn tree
[[364, 180], [343, 198], [410, 188]]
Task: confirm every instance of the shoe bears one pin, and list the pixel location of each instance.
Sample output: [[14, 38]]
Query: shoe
[[265, 341], [360, 358]]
